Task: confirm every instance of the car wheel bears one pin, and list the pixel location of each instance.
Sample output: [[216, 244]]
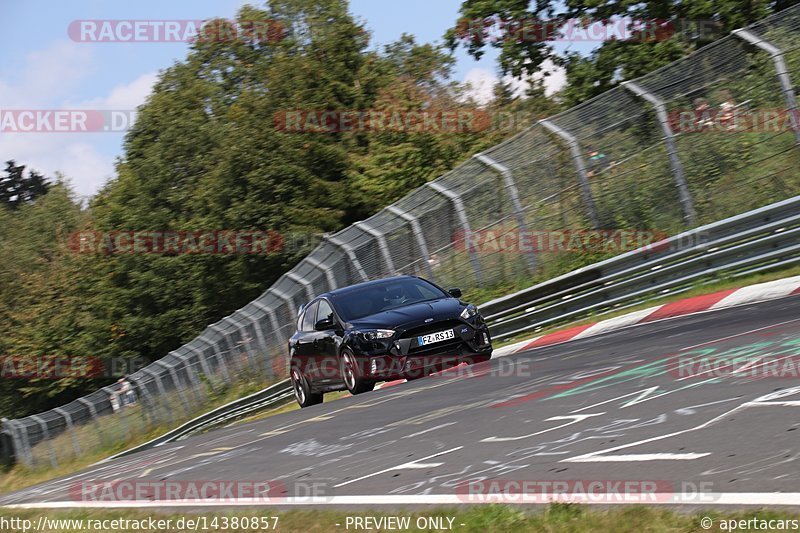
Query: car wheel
[[351, 374], [302, 392]]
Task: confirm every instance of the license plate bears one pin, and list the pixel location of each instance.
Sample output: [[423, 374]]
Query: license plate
[[432, 338]]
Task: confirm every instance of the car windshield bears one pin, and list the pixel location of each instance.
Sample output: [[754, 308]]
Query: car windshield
[[391, 294]]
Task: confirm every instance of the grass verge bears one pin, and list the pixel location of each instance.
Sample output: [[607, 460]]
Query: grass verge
[[478, 518]]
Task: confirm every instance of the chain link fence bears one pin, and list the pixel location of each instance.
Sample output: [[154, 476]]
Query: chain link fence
[[617, 161]]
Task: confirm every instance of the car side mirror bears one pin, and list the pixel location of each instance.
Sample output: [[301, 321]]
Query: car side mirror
[[455, 292], [324, 325]]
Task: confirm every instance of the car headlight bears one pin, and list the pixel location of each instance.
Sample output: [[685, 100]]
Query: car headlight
[[373, 334], [469, 312]]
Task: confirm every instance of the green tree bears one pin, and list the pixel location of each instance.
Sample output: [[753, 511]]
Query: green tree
[[17, 189], [658, 33]]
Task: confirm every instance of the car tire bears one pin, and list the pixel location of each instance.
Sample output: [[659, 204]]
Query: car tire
[[351, 374], [302, 391]]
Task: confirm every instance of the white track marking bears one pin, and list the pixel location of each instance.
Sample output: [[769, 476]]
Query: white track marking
[[758, 402], [573, 419], [411, 464], [429, 429], [706, 499], [640, 457]]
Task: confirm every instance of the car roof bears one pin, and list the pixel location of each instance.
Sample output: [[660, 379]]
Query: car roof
[[344, 290]]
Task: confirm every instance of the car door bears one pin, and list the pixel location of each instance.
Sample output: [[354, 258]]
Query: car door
[[326, 344], [304, 342]]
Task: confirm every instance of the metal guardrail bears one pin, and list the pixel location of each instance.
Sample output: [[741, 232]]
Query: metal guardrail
[[273, 395], [758, 240]]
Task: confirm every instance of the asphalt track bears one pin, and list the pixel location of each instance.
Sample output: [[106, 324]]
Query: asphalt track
[[617, 407]]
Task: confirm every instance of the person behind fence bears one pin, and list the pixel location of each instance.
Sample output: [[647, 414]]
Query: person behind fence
[[124, 395]]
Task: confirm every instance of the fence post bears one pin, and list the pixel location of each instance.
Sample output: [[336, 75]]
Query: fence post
[[93, 413], [461, 213], [513, 194], [42, 424], [22, 448], [350, 254], [288, 299], [304, 282], [782, 72], [203, 364], [76, 447], [416, 229], [276, 327], [689, 214], [162, 394], [273, 319], [195, 382], [580, 167], [178, 385], [221, 364], [326, 269], [381, 238], [260, 338]]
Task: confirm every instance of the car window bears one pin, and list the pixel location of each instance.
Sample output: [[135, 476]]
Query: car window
[[308, 318], [300, 319], [385, 296], [324, 311]]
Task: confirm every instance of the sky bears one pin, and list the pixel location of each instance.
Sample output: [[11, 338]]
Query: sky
[[43, 68]]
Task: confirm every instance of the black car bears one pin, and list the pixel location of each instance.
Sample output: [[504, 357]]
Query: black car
[[402, 327]]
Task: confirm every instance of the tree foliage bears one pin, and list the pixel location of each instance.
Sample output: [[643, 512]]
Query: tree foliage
[[524, 33]]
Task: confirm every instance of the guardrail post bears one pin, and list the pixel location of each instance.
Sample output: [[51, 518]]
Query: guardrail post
[[46, 433], [687, 203], [381, 238], [513, 194], [350, 254], [782, 72], [461, 213], [416, 229], [76, 447], [580, 167]]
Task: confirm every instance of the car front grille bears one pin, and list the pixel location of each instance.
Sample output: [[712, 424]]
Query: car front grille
[[431, 328]]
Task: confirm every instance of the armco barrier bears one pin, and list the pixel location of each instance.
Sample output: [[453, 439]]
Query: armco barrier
[[272, 396], [617, 161], [762, 239]]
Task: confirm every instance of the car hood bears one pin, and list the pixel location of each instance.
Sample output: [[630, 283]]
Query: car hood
[[411, 315]]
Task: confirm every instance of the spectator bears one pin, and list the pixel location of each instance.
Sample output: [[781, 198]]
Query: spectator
[[726, 110], [597, 163], [123, 396]]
